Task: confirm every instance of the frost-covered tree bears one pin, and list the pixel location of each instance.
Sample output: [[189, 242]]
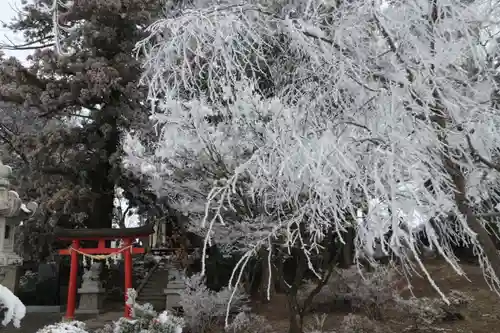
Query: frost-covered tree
[[280, 121], [90, 95]]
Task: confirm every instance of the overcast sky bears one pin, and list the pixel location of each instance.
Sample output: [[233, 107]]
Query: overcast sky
[[8, 9]]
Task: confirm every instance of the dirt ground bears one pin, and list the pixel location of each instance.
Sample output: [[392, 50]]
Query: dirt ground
[[480, 316]]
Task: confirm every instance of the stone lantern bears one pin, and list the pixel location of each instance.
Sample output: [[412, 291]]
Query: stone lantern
[[12, 212]]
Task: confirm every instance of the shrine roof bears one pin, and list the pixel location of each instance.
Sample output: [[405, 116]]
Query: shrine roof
[[105, 233]]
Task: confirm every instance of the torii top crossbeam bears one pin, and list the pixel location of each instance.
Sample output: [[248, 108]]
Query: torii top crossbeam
[[104, 234]]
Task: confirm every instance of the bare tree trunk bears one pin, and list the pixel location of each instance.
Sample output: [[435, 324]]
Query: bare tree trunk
[[295, 322], [294, 310], [483, 236], [291, 288]]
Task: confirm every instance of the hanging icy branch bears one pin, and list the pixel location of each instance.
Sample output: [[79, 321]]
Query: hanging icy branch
[[57, 27]]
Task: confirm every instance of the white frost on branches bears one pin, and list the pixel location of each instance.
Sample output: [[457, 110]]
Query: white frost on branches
[[57, 27], [279, 120]]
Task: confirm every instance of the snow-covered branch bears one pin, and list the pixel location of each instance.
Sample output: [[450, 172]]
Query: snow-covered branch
[[15, 309]]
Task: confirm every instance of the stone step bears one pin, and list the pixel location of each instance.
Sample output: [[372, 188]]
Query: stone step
[[158, 304], [158, 281], [154, 286], [151, 299], [99, 321], [151, 296], [153, 291], [159, 276], [150, 291], [163, 283]]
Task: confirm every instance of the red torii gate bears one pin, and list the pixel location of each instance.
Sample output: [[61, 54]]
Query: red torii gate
[[127, 235]]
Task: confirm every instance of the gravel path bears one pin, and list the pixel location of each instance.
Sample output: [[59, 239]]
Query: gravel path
[[35, 321], [32, 322]]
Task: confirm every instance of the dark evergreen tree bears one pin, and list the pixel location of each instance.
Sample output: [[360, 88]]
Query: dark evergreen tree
[[81, 103]]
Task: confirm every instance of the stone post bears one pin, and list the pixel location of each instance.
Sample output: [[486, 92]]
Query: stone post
[[175, 285], [91, 292], [12, 212]]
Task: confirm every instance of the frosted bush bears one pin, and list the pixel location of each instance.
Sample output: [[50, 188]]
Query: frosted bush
[[458, 298], [29, 278], [205, 308], [66, 327], [145, 319], [318, 326], [367, 290], [423, 311], [139, 311], [245, 322], [108, 328], [358, 324], [426, 311], [143, 322]]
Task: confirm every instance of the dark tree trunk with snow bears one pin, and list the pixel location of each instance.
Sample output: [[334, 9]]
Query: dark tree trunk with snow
[[101, 179]]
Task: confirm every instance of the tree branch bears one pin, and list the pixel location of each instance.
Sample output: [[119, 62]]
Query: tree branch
[[321, 283], [6, 138], [28, 45], [491, 215], [478, 156], [121, 223], [61, 171]]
